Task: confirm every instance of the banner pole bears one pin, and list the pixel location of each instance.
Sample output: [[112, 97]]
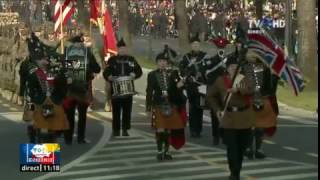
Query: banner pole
[[61, 30]]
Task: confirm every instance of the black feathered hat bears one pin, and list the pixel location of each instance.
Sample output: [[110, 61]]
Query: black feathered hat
[[162, 56], [232, 60], [35, 47], [121, 43], [170, 52], [195, 38]]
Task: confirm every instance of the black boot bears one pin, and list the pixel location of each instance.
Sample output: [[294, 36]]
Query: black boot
[[116, 133], [160, 156], [216, 141], [249, 154], [260, 155], [125, 133]]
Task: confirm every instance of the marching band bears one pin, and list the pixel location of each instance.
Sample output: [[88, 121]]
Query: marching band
[[237, 89]]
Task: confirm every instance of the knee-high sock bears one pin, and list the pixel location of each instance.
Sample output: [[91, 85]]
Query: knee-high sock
[[159, 140]]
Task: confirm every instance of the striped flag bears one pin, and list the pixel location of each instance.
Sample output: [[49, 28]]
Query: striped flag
[[273, 56], [67, 10]]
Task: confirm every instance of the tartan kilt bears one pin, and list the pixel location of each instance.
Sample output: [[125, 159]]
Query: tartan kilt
[[172, 122], [266, 117], [57, 122]]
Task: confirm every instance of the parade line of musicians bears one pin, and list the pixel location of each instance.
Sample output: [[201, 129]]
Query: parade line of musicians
[[223, 84]]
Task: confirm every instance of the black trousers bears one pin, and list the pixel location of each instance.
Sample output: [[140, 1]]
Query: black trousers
[[82, 112], [256, 139], [195, 118], [237, 141], [121, 109], [216, 130]]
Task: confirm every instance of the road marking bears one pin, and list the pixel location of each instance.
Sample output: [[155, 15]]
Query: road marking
[[312, 155], [290, 148], [291, 176], [142, 105], [129, 141], [13, 109], [200, 176], [128, 147], [142, 113], [6, 105], [298, 120], [268, 142], [103, 140], [273, 170]]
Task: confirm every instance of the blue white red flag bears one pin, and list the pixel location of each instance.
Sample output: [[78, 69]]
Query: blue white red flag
[[274, 57]]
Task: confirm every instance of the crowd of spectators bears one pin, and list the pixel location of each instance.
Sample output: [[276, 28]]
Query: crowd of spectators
[[157, 18]]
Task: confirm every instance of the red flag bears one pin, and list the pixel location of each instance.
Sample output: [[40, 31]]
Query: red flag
[[110, 44], [95, 11], [67, 7]]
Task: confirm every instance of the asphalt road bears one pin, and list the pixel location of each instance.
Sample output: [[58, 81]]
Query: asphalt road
[[13, 133], [292, 152]]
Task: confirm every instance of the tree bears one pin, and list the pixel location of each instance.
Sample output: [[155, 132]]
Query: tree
[[259, 8], [307, 40], [124, 21], [182, 25]]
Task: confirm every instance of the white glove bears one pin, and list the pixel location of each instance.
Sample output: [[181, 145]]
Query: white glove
[[69, 80], [132, 74]]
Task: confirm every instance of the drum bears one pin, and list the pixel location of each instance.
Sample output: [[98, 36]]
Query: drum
[[123, 86], [203, 92]]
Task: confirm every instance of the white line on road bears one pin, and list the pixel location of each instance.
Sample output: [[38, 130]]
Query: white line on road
[[141, 166], [290, 148], [104, 138], [273, 170], [142, 113], [268, 142], [313, 155], [291, 176]]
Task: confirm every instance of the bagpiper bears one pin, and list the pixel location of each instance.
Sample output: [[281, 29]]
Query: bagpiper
[[191, 70], [167, 103], [46, 92]]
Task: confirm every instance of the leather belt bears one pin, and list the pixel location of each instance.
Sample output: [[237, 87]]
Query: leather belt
[[237, 109]]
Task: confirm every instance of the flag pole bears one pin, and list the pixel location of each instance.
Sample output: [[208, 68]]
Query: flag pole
[[61, 30], [90, 28]]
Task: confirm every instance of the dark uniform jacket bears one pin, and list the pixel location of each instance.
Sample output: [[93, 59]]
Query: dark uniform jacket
[[24, 72], [232, 120], [38, 94], [122, 65], [154, 93], [193, 72]]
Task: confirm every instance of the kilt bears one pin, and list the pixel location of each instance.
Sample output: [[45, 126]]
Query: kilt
[[57, 122], [266, 117], [172, 122]]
